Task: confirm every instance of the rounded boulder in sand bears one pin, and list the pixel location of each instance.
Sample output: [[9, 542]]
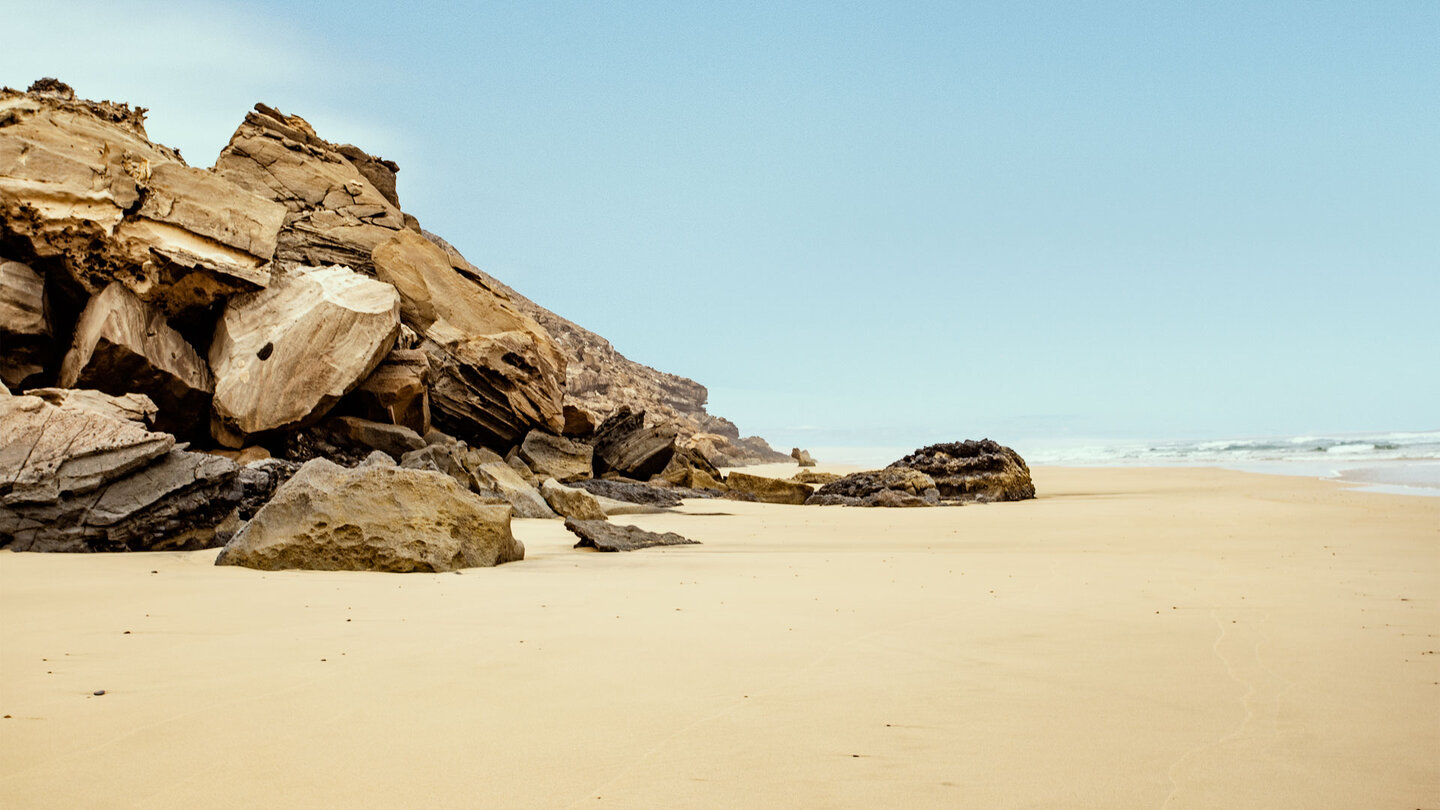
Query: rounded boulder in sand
[[373, 518]]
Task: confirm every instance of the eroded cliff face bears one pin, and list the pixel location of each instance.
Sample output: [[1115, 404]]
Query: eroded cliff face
[[111, 246]]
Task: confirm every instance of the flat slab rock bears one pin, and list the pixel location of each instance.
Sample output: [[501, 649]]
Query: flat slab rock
[[603, 535]]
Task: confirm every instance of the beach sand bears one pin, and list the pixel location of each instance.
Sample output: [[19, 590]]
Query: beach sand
[[1147, 638]]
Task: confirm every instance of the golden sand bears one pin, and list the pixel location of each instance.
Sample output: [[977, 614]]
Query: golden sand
[[1171, 638]]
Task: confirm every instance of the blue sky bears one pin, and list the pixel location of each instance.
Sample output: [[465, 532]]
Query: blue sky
[[884, 223]]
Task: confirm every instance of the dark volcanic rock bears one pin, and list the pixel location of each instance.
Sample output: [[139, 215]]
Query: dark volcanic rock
[[258, 482], [603, 535], [625, 445], [862, 485], [973, 470]]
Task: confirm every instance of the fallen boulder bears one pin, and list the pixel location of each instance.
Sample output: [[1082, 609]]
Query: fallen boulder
[[130, 407], [502, 479], [571, 502], [768, 490], [624, 445], [603, 535], [123, 345], [631, 492], [77, 480], [973, 470], [373, 518], [266, 344], [398, 391], [557, 457], [394, 440], [24, 324]]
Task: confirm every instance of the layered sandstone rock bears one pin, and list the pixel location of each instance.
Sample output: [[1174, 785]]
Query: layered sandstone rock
[[557, 457], [25, 336], [77, 480], [81, 185], [129, 407], [375, 517], [264, 353], [625, 445], [398, 391], [768, 490], [123, 345]]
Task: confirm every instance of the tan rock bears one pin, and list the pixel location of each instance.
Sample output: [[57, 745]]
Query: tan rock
[[266, 344], [570, 502], [24, 324], [373, 518], [397, 391], [47, 452], [334, 213], [813, 477], [498, 372], [579, 423], [81, 182], [501, 478], [123, 345], [769, 490], [393, 440], [556, 457], [130, 407]]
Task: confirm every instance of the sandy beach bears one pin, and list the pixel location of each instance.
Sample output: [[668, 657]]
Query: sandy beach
[[1157, 638]]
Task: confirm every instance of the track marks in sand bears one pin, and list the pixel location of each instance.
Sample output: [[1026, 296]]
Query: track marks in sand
[[1238, 645]]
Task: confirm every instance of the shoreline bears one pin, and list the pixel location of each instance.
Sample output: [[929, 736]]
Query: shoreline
[[1170, 636]]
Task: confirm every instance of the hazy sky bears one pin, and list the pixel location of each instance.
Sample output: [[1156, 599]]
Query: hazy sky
[[881, 222]]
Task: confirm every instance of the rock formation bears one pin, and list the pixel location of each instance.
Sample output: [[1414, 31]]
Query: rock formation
[[557, 457], [623, 444], [768, 490], [123, 345], [25, 335], [570, 502], [973, 470], [605, 536], [77, 480], [266, 344], [375, 517], [802, 457]]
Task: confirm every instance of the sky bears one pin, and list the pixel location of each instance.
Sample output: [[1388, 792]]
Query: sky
[[883, 223]]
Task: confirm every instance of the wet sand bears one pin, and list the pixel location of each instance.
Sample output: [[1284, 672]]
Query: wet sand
[[1150, 638]]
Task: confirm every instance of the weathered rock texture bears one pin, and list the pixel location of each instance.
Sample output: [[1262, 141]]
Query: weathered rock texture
[[82, 186], [130, 407], [123, 345], [605, 536], [632, 492], [624, 445], [502, 479], [373, 518], [973, 470], [571, 502], [398, 391], [557, 457], [769, 490], [77, 480], [283, 356], [25, 334]]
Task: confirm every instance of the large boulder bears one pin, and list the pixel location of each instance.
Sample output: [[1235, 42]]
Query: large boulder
[[624, 445], [571, 502], [769, 490], [602, 535], [77, 480], [871, 482], [375, 517], [81, 183], [557, 457], [266, 346], [973, 470], [498, 373], [24, 324], [502, 479], [123, 345]]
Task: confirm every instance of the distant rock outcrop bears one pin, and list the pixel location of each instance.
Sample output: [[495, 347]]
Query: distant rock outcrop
[[955, 473]]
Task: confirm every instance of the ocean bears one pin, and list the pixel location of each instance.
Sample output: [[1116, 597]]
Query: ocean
[[1401, 462]]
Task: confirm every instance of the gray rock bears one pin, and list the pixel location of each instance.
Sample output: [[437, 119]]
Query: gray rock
[[394, 440], [603, 535], [373, 518], [47, 452], [623, 444], [632, 492]]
